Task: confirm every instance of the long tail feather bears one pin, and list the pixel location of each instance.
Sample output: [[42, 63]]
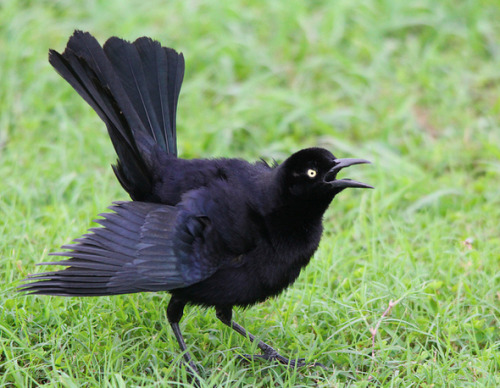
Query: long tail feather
[[134, 88]]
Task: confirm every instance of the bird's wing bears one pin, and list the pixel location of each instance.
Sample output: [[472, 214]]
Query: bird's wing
[[141, 247]]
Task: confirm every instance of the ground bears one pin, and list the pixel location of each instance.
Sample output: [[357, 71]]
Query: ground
[[412, 86]]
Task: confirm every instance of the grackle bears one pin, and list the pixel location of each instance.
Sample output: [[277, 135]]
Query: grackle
[[213, 232]]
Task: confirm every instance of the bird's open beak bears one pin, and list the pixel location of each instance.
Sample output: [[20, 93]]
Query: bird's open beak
[[344, 183]]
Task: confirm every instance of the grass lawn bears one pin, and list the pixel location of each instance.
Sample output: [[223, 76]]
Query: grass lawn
[[412, 86]]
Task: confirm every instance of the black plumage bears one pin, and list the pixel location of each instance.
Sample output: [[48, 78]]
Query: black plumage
[[216, 232]]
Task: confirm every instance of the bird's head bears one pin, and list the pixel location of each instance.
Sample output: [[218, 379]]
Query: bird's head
[[311, 175]]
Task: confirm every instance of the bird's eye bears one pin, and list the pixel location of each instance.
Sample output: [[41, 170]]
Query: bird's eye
[[311, 173]]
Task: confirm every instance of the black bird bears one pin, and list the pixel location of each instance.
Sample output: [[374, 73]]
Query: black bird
[[212, 232]]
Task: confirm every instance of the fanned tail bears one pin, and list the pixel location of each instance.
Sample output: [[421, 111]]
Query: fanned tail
[[134, 88]]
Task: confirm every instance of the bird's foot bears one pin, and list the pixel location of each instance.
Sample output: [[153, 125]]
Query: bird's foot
[[273, 355], [193, 374], [193, 369]]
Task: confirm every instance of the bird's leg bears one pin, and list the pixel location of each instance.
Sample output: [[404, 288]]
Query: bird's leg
[[270, 354], [175, 310]]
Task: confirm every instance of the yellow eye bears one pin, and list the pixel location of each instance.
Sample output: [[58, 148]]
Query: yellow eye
[[311, 173]]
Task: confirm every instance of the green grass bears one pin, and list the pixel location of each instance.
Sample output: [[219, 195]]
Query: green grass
[[413, 86]]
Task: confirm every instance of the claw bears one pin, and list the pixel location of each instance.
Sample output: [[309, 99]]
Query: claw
[[275, 356]]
